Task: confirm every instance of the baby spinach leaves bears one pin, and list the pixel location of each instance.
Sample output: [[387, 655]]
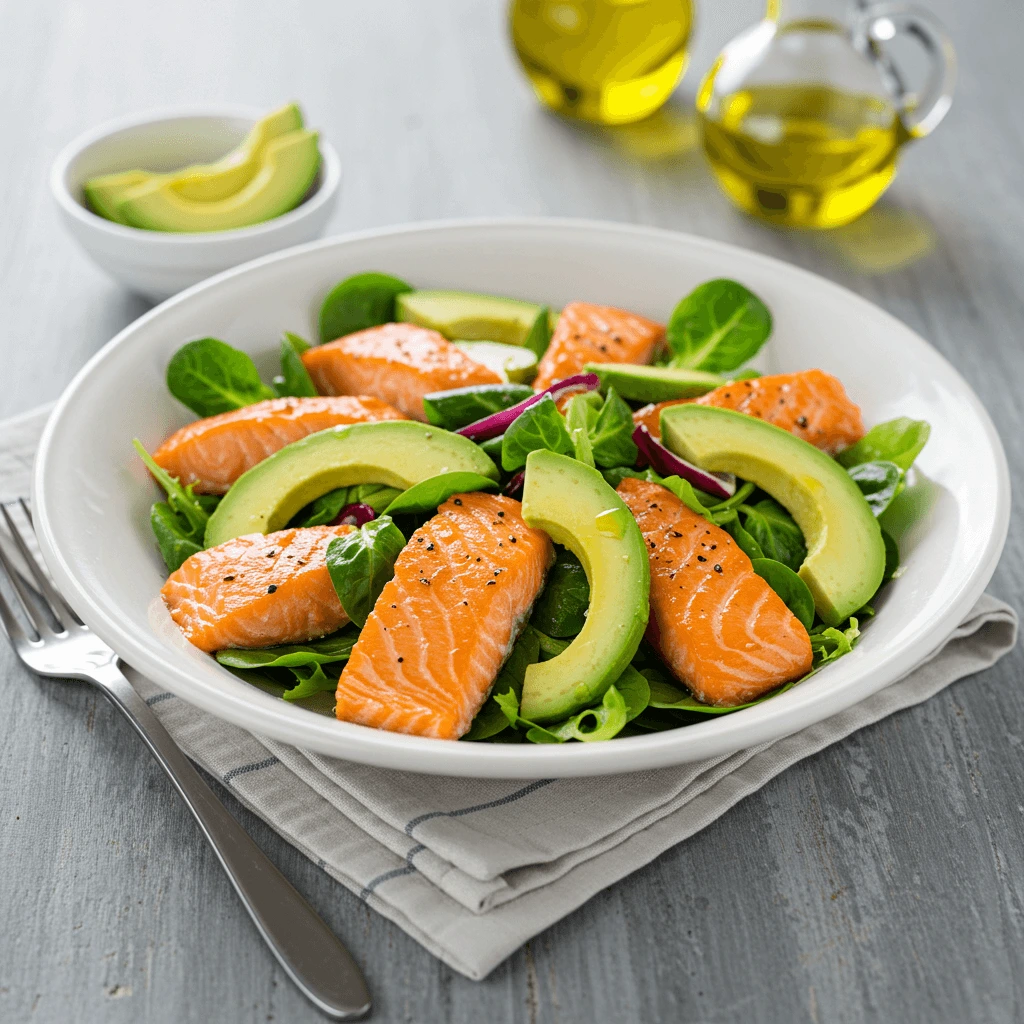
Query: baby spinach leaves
[[294, 379], [311, 681], [210, 377], [335, 647], [775, 531], [577, 413], [744, 540], [879, 482], [538, 427], [358, 302], [361, 562], [326, 508], [717, 327], [461, 406], [179, 523], [561, 609], [669, 697], [611, 435], [829, 643], [491, 719], [785, 582], [899, 440], [428, 494], [603, 722]]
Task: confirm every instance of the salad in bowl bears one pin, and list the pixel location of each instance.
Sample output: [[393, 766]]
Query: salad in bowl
[[470, 517]]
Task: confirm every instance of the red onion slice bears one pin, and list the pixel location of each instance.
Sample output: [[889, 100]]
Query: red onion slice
[[497, 423], [514, 488], [354, 515], [666, 463]]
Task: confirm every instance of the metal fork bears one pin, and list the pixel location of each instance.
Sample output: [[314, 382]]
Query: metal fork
[[59, 644]]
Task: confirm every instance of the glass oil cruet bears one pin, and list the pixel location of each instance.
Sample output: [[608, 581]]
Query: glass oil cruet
[[607, 61], [803, 115]]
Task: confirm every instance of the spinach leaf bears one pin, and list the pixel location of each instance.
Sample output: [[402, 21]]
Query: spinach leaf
[[174, 537], [879, 482], [541, 426], [611, 436], [744, 541], [785, 582], [492, 448], [775, 531], [829, 643], [311, 681], [561, 609], [717, 327], [459, 407], [428, 494], [359, 302], [576, 416], [899, 440], [666, 695], [539, 336], [295, 379], [604, 722], [336, 647], [491, 719], [635, 690], [361, 562], [179, 523], [327, 507], [742, 493], [892, 557], [210, 377]]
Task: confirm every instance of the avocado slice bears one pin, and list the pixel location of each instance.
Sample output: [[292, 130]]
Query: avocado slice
[[654, 383], [289, 165], [572, 504], [513, 363], [845, 553], [200, 182], [397, 453], [469, 316]]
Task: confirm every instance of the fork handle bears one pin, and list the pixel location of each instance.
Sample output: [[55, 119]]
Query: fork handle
[[303, 944]]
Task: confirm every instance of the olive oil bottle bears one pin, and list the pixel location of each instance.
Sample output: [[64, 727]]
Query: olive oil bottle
[[802, 120], [807, 155], [607, 61]]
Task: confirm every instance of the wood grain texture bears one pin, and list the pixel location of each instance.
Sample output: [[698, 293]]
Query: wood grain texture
[[882, 880]]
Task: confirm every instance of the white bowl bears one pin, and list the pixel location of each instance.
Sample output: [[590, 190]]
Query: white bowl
[[92, 495], [161, 263]]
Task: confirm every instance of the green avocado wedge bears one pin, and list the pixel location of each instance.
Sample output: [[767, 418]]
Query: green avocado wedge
[[572, 504], [654, 383], [398, 453], [288, 167], [199, 182], [845, 552], [469, 316]]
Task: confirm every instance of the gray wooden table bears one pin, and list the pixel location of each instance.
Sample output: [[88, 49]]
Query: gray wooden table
[[880, 880]]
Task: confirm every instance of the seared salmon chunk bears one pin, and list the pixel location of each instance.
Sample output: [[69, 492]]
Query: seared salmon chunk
[[586, 333], [811, 404], [212, 453], [720, 628], [258, 590], [444, 625], [397, 363]]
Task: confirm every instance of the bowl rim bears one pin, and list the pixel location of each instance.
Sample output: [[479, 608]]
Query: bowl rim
[[772, 720], [330, 173]]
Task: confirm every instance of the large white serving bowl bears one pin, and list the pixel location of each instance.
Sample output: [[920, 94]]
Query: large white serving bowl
[[92, 495]]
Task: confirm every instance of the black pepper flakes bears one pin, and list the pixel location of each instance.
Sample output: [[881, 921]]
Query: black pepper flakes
[[270, 554], [430, 547], [512, 540], [676, 533], [272, 589], [801, 421], [717, 567], [501, 515], [427, 582], [228, 579], [457, 501], [701, 558], [489, 583], [401, 658]]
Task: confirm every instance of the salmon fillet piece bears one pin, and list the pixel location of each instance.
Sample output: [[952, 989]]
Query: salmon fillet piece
[[398, 363], [720, 628], [650, 415], [586, 333], [212, 453], [443, 627], [811, 404], [258, 590]]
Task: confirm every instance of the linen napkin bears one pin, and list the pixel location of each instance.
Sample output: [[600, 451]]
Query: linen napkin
[[473, 868]]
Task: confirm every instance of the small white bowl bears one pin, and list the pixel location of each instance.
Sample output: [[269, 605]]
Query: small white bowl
[[159, 264]]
